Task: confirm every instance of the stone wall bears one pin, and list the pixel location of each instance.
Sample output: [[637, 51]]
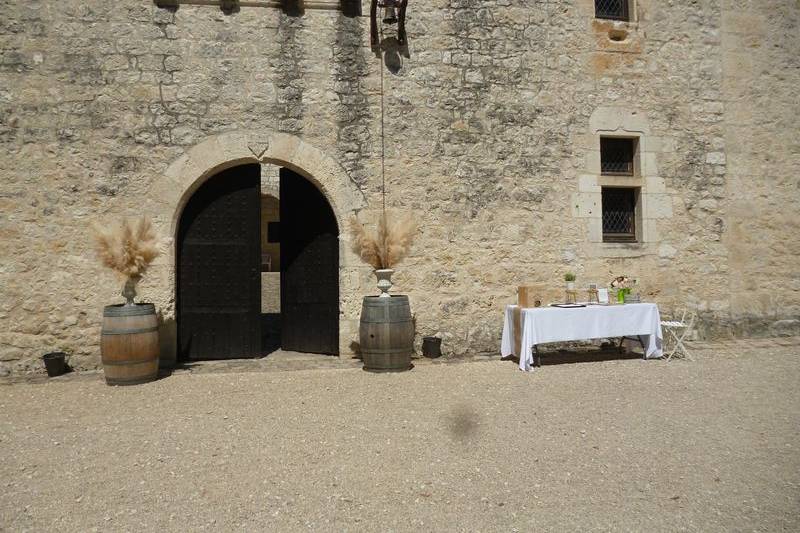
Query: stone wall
[[270, 292], [761, 71], [270, 251], [491, 130]]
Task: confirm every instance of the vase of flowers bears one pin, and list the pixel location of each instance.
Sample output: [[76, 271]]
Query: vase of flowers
[[569, 278], [622, 284]]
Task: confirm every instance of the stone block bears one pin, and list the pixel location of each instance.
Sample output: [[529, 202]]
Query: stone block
[[650, 233], [592, 160], [649, 164], [654, 185], [655, 206], [619, 119], [586, 205], [745, 22], [588, 183], [595, 229]]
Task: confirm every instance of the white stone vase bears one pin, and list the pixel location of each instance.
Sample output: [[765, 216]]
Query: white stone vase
[[384, 276], [129, 290], [570, 285]]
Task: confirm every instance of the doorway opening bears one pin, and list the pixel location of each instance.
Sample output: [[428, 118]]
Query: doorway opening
[[257, 267]]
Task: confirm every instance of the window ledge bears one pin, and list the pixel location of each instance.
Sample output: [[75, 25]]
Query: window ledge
[[604, 180], [621, 250]]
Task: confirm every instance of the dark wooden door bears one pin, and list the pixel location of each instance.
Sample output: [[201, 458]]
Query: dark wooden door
[[309, 268], [219, 268]]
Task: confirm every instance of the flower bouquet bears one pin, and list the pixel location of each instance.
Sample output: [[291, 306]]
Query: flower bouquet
[[622, 284]]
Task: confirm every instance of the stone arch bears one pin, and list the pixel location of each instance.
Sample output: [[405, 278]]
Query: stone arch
[[226, 150], [183, 177]]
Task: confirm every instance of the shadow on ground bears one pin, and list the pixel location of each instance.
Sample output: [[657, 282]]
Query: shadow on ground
[[554, 356]]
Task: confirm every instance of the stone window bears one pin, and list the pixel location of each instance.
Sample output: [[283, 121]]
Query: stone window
[[620, 194], [617, 156], [613, 9], [619, 213]]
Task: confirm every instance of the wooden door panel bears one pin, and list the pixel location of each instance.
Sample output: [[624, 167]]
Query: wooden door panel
[[309, 268], [219, 281]]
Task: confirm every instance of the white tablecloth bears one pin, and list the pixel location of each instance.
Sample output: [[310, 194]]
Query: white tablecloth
[[553, 324]]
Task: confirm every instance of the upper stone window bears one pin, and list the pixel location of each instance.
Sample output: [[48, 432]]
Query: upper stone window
[[612, 9], [617, 156]]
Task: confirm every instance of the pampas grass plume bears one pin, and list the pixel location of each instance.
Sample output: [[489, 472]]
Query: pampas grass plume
[[129, 248], [364, 244], [388, 244]]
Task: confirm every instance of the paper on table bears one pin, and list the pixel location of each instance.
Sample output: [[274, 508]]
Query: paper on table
[[602, 296]]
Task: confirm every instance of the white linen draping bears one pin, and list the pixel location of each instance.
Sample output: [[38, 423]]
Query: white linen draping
[[554, 324]]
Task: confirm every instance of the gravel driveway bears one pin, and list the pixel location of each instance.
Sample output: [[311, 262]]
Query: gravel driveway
[[704, 445]]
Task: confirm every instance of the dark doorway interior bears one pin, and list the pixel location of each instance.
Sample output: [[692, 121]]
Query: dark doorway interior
[[309, 238], [218, 268]]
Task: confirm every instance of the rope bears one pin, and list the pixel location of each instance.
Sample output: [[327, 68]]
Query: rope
[[383, 129]]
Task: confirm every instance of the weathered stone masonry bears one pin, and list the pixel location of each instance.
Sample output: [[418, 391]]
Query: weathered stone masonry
[[112, 109]]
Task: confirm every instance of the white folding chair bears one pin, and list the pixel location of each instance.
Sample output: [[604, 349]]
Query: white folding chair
[[677, 331]]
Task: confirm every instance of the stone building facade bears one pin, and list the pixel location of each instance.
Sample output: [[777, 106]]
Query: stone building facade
[[493, 119]]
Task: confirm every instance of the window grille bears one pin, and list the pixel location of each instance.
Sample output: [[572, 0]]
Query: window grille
[[619, 214], [611, 9], [616, 156]]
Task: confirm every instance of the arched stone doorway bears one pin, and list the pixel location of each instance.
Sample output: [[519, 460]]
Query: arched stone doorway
[[216, 154], [220, 280]]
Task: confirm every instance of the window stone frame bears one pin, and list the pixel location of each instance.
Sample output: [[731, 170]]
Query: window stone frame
[[655, 203]]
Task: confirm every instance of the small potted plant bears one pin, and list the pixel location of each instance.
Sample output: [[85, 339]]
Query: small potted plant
[[386, 332], [129, 340], [569, 277]]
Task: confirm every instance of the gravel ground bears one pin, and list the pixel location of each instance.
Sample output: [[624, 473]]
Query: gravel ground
[[704, 445]]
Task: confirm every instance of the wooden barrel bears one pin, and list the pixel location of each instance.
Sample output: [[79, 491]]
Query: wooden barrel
[[386, 334], [129, 344]]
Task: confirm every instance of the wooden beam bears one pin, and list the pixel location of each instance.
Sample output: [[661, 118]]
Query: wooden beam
[[348, 7]]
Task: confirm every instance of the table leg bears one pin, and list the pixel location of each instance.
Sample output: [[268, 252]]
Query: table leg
[[537, 359]]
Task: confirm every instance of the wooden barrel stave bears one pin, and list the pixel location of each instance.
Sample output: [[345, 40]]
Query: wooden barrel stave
[[129, 344], [386, 333]]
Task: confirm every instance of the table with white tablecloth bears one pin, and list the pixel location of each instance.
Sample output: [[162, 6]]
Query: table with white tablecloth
[[554, 324]]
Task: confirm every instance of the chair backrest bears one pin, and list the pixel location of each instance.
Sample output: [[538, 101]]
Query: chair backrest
[[687, 317]]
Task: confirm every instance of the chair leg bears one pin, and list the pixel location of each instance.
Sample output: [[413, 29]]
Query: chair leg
[[671, 333], [685, 352], [679, 346]]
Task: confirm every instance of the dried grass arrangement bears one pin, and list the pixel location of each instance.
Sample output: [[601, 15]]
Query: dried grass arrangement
[[387, 245], [128, 249]]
